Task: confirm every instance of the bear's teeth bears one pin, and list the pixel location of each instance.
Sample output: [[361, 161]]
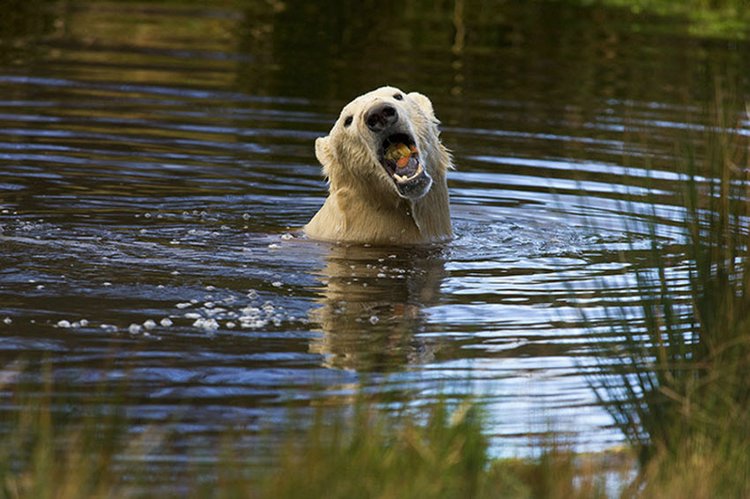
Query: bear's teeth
[[402, 179]]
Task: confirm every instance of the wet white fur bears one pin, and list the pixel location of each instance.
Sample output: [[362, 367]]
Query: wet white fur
[[363, 205]]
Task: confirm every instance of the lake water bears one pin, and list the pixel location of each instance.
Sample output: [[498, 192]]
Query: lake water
[[157, 163]]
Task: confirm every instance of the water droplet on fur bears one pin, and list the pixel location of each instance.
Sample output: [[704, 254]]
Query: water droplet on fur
[[166, 322], [374, 319], [63, 323]]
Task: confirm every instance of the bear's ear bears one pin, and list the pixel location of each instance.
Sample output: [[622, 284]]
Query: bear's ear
[[423, 102], [323, 150]]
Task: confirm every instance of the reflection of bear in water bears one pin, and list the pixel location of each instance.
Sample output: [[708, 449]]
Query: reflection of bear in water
[[372, 306], [387, 173]]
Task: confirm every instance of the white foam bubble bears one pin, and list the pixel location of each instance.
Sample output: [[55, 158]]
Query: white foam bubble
[[206, 324], [252, 323]]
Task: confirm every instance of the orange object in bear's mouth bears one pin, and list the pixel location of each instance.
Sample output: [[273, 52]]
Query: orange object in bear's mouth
[[400, 158]]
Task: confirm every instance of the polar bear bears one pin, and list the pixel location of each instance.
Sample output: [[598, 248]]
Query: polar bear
[[386, 170]]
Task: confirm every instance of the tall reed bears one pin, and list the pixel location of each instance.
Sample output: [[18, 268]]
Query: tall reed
[[676, 383]]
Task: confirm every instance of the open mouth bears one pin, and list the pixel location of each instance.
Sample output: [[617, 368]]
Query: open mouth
[[400, 157]]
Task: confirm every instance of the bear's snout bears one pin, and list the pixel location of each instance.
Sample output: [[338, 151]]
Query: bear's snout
[[380, 117]]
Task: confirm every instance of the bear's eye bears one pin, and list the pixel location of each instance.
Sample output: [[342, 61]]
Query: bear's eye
[[348, 120], [398, 97]]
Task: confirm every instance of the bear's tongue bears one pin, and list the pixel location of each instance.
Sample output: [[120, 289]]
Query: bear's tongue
[[402, 162]]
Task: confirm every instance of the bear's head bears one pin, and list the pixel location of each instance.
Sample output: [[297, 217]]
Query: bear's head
[[388, 141]]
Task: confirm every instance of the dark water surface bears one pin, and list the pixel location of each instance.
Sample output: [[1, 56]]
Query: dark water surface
[[156, 163]]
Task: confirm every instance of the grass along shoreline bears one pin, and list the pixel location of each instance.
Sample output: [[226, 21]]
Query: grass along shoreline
[[433, 452]]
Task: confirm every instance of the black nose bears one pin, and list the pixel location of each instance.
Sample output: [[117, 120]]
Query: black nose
[[380, 117]]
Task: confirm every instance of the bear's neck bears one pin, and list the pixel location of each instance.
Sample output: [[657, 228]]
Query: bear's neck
[[432, 213], [370, 215]]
